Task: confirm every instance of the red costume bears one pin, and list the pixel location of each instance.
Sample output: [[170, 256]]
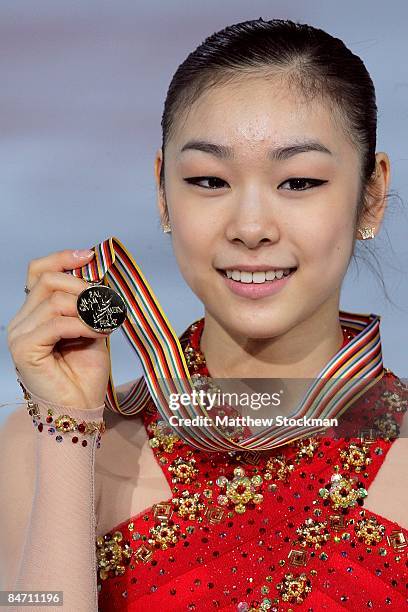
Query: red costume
[[274, 530]]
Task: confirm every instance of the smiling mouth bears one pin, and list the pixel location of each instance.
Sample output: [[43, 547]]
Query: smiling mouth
[[252, 282]]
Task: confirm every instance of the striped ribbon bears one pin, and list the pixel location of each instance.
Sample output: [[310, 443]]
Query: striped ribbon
[[349, 374]]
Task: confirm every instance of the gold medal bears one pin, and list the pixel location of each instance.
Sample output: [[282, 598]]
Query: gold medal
[[101, 308]]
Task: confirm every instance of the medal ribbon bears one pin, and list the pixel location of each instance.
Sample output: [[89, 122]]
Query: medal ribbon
[[348, 375]]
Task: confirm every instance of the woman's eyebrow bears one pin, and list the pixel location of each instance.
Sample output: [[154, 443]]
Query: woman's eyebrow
[[275, 153]]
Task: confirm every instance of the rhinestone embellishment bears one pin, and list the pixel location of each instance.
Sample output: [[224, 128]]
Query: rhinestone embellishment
[[343, 492], [183, 470], [313, 533], [241, 490], [112, 554], [370, 531], [294, 588]]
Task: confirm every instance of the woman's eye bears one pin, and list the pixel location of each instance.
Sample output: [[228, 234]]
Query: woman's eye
[[194, 180], [300, 182]]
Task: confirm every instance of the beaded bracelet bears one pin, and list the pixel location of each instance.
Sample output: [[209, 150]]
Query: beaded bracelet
[[62, 423]]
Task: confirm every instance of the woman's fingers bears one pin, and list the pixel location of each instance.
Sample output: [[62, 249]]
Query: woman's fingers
[[47, 283], [54, 352], [58, 261], [58, 303], [31, 347], [52, 270]]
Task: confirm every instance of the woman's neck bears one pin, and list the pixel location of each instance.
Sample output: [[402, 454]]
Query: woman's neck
[[301, 352]]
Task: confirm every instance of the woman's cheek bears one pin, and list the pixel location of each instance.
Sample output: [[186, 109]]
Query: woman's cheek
[[190, 258], [331, 258], [182, 253]]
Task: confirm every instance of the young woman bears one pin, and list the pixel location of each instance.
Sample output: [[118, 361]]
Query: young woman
[[267, 177]]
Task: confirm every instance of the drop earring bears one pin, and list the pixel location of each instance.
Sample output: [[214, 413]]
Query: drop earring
[[166, 228]]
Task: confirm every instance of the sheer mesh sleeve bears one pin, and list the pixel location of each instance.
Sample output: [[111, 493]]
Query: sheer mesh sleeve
[[59, 545]]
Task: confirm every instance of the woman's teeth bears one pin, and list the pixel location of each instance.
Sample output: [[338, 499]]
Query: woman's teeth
[[257, 277]]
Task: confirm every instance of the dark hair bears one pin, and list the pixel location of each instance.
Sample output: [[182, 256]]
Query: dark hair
[[310, 59]]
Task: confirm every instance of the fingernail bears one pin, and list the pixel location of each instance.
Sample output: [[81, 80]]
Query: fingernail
[[83, 253]]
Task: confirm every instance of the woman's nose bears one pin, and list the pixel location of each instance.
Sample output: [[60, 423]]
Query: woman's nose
[[253, 227]]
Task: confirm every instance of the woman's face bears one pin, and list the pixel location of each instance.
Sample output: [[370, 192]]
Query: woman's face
[[292, 209]]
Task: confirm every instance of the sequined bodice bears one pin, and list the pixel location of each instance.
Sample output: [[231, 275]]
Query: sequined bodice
[[277, 530]]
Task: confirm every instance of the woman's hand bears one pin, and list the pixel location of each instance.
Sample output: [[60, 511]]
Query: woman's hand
[[58, 357]]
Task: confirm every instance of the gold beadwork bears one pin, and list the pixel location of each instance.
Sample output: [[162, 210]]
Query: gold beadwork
[[278, 467], [214, 514], [368, 436], [306, 448], [112, 554], [355, 457], [249, 457], [387, 425], [195, 359], [394, 401], [162, 512], [231, 429], [312, 533], [33, 409], [183, 470], [144, 553], [297, 557], [397, 540], [343, 492], [163, 436], [188, 505], [369, 530], [62, 423], [294, 587], [164, 535], [240, 490]]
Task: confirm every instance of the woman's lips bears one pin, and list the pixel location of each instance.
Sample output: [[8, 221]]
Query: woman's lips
[[256, 290]]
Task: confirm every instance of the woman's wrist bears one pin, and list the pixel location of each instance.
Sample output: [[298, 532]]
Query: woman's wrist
[[79, 425]]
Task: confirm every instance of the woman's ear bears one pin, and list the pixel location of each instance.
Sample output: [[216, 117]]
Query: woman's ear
[[161, 199], [376, 194]]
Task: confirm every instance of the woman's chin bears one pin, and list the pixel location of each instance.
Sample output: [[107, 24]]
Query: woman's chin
[[244, 322]]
